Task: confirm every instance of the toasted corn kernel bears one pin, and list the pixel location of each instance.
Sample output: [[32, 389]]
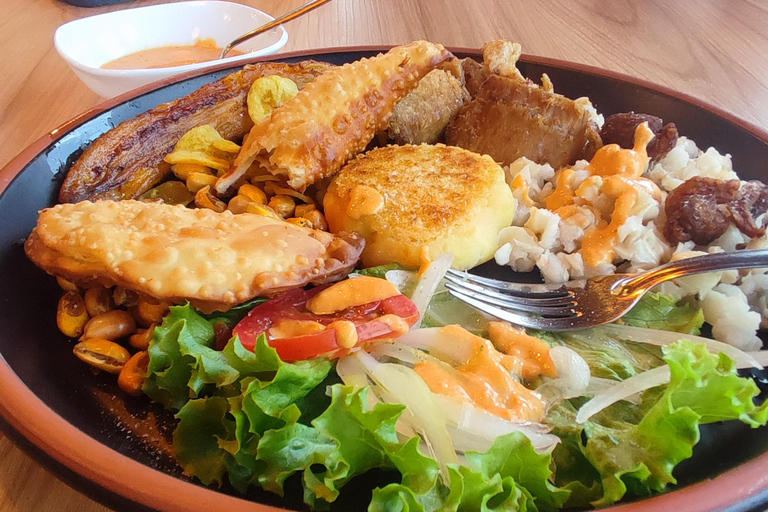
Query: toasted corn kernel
[[182, 171], [303, 209], [346, 333], [283, 205], [317, 220], [198, 180], [141, 339], [152, 310], [102, 354], [98, 300], [270, 186], [298, 221], [110, 325], [253, 193], [134, 373], [204, 199], [71, 315], [124, 298], [262, 209], [238, 204], [67, 286]]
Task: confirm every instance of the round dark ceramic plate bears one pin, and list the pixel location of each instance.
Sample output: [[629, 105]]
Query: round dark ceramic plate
[[116, 449]]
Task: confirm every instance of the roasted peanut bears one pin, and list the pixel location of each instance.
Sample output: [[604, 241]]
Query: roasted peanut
[[102, 354], [111, 325], [283, 205], [298, 221], [124, 298], [253, 193], [71, 315], [238, 204], [67, 286], [134, 373], [204, 199], [198, 180], [98, 300], [303, 209], [317, 220], [141, 339], [262, 209], [151, 310]]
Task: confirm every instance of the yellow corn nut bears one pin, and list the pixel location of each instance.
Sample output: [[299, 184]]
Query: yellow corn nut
[[262, 209], [283, 205], [71, 315], [317, 220], [182, 171], [204, 199], [98, 300], [134, 373], [142, 338], [253, 193], [198, 180], [303, 209], [102, 354], [124, 298], [346, 333], [111, 325], [152, 310], [238, 204], [298, 221], [67, 286]]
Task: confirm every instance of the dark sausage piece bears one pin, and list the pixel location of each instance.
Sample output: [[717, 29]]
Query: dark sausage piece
[[701, 209], [620, 129]]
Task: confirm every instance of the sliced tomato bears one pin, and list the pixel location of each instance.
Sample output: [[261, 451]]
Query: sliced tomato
[[292, 306]]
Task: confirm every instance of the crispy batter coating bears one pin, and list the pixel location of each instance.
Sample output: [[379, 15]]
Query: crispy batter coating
[[421, 117], [335, 117], [215, 260], [128, 160]]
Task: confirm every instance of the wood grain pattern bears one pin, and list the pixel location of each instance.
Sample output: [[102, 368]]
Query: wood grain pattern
[[713, 50]]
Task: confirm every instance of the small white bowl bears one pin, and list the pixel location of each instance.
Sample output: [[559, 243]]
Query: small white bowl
[[89, 43]]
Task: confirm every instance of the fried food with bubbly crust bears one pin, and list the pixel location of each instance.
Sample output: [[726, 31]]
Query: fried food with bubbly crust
[[128, 160], [335, 117], [404, 199], [421, 117], [215, 260]]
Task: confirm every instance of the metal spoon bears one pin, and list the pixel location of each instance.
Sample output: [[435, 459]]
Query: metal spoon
[[274, 23]]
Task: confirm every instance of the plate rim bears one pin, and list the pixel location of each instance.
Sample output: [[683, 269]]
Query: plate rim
[[111, 471]]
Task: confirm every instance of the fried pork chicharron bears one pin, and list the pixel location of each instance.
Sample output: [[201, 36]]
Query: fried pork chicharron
[[215, 260], [128, 160], [335, 117]]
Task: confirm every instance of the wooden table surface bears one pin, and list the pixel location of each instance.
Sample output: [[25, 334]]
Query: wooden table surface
[[714, 50]]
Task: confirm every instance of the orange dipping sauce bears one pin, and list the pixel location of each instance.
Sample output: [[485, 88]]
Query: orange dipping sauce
[[169, 56]]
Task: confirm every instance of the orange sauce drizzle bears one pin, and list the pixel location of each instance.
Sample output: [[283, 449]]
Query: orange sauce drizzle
[[351, 292], [532, 353], [364, 200], [485, 380]]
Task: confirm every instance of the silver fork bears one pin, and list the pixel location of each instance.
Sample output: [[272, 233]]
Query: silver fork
[[586, 302]]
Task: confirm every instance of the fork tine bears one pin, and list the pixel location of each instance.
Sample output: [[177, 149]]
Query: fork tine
[[531, 322], [534, 299], [520, 289], [562, 307]]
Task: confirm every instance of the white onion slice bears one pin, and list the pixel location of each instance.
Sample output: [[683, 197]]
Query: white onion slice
[[623, 390], [761, 356], [572, 370], [430, 280], [661, 338], [400, 278], [434, 340]]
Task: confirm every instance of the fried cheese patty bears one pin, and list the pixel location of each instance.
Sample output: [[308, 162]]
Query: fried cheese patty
[[402, 199]]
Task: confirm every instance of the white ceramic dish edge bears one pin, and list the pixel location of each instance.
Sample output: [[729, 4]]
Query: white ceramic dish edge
[[118, 33]]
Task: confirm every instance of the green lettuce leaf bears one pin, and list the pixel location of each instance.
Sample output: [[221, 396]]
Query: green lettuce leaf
[[660, 311], [379, 271]]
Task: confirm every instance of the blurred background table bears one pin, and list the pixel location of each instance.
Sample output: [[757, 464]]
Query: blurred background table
[[711, 49]]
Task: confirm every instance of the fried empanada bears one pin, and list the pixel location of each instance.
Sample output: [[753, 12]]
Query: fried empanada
[[335, 117], [215, 260]]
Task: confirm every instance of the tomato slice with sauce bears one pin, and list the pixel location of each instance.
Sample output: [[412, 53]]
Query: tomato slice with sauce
[[288, 313]]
